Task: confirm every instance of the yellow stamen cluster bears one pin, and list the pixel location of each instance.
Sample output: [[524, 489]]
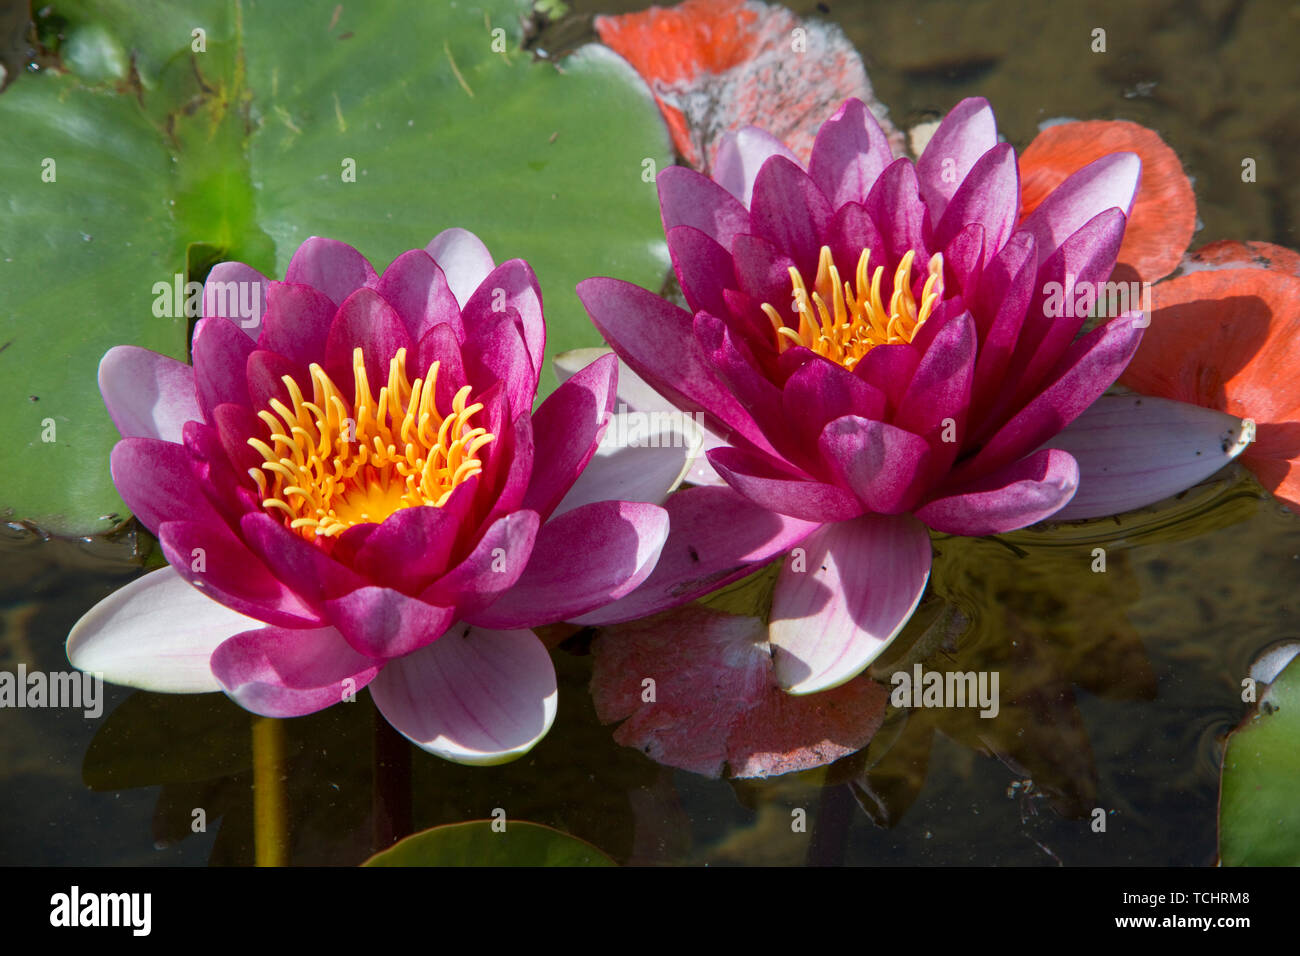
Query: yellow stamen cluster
[[843, 322], [331, 465]]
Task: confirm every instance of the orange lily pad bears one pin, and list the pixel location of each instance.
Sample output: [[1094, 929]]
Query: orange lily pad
[[1163, 217]]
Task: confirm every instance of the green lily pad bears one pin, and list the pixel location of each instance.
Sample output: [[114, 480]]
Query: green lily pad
[[1259, 815], [167, 159], [477, 844]]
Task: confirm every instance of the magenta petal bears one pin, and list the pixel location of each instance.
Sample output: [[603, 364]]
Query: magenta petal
[[297, 322], [703, 269], [566, 430], [850, 152], [990, 196], [315, 576], [741, 154], [147, 395], [464, 260], [1005, 292], [850, 232], [494, 351], [412, 546], [289, 672], [889, 369], [512, 285], [236, 292], [582, 560], [492, 568], [476, 696], [843, 595], [781, 491], [1090, 366], [220, 352], [736, 366], [210, 557], [1083, 261], [790, 212], [1103, 183], [235, 424], [895, 207], [265, 372], [763, 274], [333, 267], [938, 397], [657, 340], [509, 467], [442, 345], [415, 286], [383, 623], [1024, 492], [715, 537], [157, 482], [687, 198], [367, 322], [966, 133], [1134, 450], [883, 464], [820, 391]]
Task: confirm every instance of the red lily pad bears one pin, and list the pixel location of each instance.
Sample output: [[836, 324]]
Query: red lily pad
[[696, 689], [718, 65]]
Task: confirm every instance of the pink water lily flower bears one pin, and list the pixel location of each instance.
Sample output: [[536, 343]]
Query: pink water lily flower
[[352, 489], [881, 347]]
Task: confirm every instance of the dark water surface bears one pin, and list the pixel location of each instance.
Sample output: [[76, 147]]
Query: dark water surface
[[1118, 687]]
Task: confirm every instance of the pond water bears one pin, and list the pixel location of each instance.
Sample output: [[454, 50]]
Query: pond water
[[1118, 687]]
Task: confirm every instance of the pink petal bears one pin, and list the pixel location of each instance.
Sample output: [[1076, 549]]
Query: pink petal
[[156, 633], [1135, 450], [850, 152], [288, 672], [840, 602], [782, 491], [1024, 492], [1103, 183], [367, 322], [297, 322], [333, 267], [965, 134], [210, 557], [382, 623], [741, 154], [882, 464], [715, 536], [476, 696], [464, 260], [687, 198], [512, 285], [566, 430], [236, 292], [147, 395], [415, 286], [582, 560], [155, 479], [647, 469], [492, 568]]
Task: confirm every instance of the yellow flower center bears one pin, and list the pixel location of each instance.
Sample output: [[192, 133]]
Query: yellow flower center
[[330, 465], [843, 322]]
